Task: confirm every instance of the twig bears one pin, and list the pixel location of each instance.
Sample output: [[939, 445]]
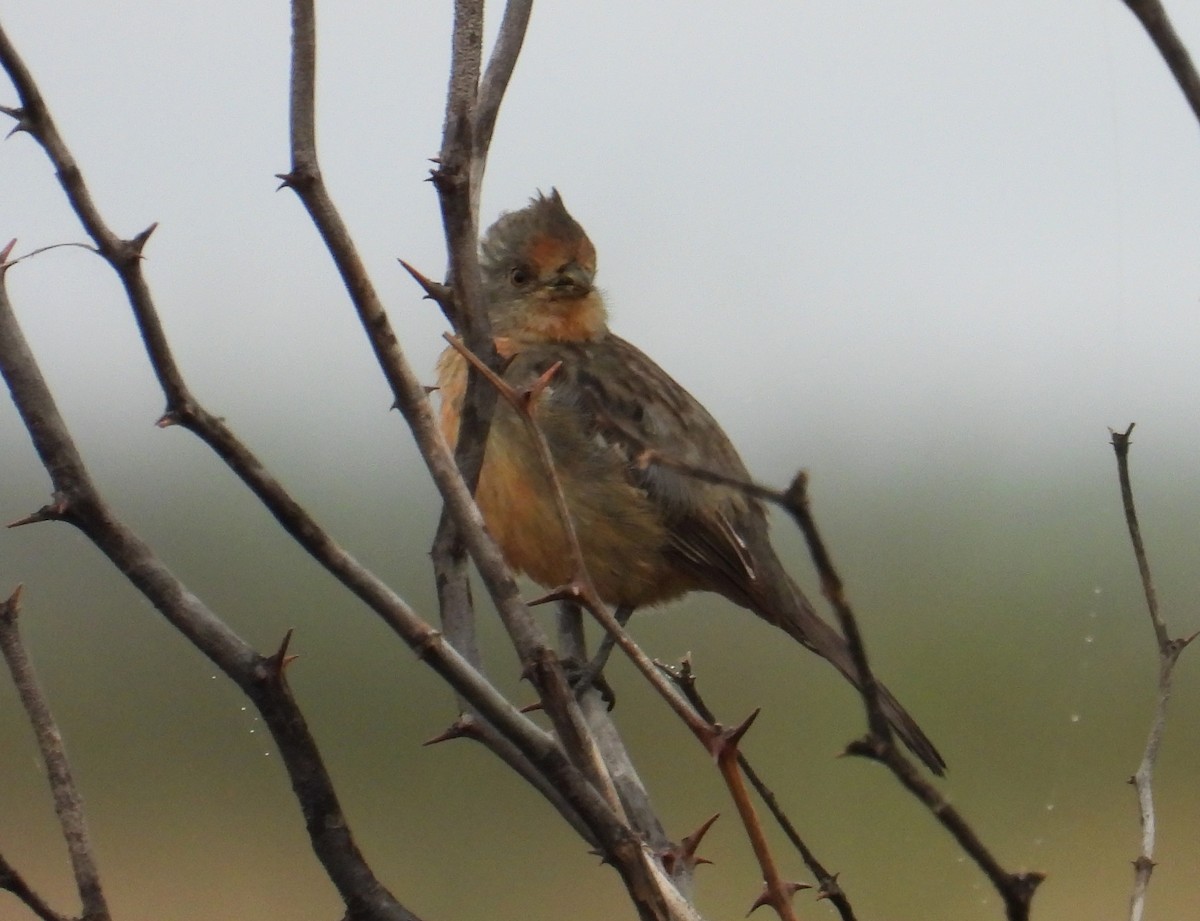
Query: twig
[[1157, 24], [12, 881], [581, 589], [1168, 654], [721, 743], [77, 501], [1015, 889], [827, 882], [68, 804], [540, 664]]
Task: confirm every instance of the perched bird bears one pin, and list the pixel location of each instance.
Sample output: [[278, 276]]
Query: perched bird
[[649, 533]]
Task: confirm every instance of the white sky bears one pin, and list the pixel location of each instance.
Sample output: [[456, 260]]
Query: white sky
[[969, 224]]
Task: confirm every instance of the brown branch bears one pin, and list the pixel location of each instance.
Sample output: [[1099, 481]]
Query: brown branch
[[1168, 655], [581, 590], [410, 397], [1015, 889], [452, 180], [495, 81], [68, 804], [77, 501], [651, 892], [1157, 24], [12, 881], [827, 882], [776, 891], [719, 742]]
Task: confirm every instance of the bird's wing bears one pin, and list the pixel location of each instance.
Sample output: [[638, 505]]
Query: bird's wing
[[632, 408]]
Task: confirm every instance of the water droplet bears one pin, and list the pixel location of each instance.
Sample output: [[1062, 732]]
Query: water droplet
[[1089, 639], [1074, 718]]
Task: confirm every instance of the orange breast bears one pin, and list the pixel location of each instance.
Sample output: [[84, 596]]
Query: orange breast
[[620, 531]]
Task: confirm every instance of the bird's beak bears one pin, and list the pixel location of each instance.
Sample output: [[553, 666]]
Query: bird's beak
[[572, 280]]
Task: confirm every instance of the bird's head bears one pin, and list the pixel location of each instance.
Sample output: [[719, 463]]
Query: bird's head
[[538, 266]]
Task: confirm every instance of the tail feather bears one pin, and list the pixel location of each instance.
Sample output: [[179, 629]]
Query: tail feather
[[803, 623]]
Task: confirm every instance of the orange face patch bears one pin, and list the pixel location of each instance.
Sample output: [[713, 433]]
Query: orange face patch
[[546, 252]]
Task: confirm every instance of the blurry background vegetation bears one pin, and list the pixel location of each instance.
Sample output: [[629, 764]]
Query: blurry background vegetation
[[928, 254]]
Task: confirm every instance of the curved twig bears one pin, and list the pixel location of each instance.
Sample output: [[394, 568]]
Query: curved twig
[[1154, 20], [68, 804], [827, 882], [1015, 889], [1168, 654]]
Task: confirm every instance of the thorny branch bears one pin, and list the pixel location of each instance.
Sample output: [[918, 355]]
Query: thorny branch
[[1168, 655], [721, 743], [1015, 889], [471, 111], [68, 804], [76, 500], [79, 503], [579, 787], [827, 883]]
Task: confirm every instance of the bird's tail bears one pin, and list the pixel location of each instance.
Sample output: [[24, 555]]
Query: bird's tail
[[800, 621]]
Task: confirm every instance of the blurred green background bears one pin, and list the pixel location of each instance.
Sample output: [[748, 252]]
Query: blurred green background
[[1005, 612], [927, 253]]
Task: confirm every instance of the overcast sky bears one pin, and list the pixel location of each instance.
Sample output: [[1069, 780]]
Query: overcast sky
[[949, 222]]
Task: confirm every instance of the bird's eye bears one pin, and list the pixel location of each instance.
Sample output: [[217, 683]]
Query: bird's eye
[[519, 275]]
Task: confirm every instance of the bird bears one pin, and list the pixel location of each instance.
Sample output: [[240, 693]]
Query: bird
[[649, 533]]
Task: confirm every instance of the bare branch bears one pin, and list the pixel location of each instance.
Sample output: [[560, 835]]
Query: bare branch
[[68, 804], [12, 881], [827, 882], [495, 82], [1168, 655], [1157, 24], [1120, 443], [1015, 889], [77, 501]]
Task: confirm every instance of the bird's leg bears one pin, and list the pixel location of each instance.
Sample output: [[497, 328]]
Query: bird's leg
[[592, 674]]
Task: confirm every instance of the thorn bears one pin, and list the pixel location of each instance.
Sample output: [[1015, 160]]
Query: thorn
[[535, 390], [734, 735], [692, 841], [139, 242], [167, 419], [796, 495], [435, 291], [790, 889], [21, 117], [280, 659], [55, 511], [531, 708], [464, 726], [572, 591], [286, 181], [428, 388], [829, 887], [4, 252], [11, 608], [1187, 641]]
